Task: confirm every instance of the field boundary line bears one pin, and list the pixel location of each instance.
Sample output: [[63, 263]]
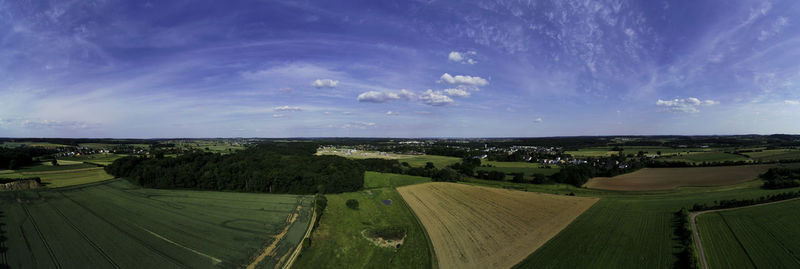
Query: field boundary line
[[214, 259], [434, 259], [299, 247], [696, 233]]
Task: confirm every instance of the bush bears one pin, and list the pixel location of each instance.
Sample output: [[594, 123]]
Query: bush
[[352, 204], [388, 233], [306, 243]]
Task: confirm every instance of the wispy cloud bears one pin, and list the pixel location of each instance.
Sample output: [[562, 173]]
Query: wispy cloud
[[687, 105]]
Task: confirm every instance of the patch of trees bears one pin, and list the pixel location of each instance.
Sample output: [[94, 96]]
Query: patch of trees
[[9, 180], [780, 178], [352, 204], [14, 158], [683, 234], [722, 204], [445, 174], [269, 167]]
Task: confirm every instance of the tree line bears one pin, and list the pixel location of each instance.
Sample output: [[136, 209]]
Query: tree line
[[14, 158], [722, 204], [269, 167], [446, 174], [780, 178]]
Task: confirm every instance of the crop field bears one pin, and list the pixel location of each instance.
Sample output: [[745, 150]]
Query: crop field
[[100, 159], [699, 157], [528, 169], [116, 224], [774, 154], [413, 160], [756, 237], [380, 180], [338, 242], [31, 144], [631, 230], [670, 178], [480, 227], [57, 179]]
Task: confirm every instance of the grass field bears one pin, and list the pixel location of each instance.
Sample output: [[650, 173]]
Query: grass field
[[31, 144], [699, 157], [57, 179], [630, 230], [116, 224], [774, 154], [338, 241], [413, 160], [757, 237], [101, 159], [380, 180], [671, 178], [480, 227], [528, 169]]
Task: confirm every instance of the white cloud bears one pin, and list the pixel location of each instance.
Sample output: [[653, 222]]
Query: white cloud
[[287, 108], [463, 80], [688, 105], [392, 113], [457, 92], [359, 125], [385, 96], [792, 102], [435, 98], [462, 57], [538, 120], [325, 83], [278, 115]]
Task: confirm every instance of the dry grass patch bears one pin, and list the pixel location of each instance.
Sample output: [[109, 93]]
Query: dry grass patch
[[480, 227], [649, 179]]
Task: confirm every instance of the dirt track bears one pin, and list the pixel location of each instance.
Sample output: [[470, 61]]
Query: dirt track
[[650, 179], [480, 227]]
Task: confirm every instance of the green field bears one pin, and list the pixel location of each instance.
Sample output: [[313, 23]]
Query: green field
[[774, 154], [438, 161], [628, 229], [46, 167], [699, 157], [116, 224], [101, 159], [70, 177], [380, 180], [756, 237], [528, 169], [338, 242], [31, 144]]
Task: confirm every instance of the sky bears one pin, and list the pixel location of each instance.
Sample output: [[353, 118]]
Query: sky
[[159, 69]]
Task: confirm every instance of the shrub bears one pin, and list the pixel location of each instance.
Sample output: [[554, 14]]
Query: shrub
[[352, 204]]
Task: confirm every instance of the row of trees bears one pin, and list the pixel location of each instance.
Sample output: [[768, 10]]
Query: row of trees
[[14, 158], [780, 178], [271, 168], [446, 174], [683, 234], [746, 202]]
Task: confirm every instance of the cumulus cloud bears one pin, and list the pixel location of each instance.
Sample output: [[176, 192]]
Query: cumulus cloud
[[385, 96], [278, 115], [538, 120], [792, 102], [687, 105], [287, 108], [462, 57], [325, 83], [392, 113], [457, 92], [463, 80], [435, 98]]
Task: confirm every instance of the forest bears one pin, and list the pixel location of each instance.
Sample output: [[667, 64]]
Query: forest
[[268, 167], [14, 158]]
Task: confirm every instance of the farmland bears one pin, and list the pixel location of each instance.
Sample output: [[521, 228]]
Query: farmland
[[61, 175], [412, 160], [754, 237], [100, 159], [479, 227], [700, 157], [671, 178], [774, 154], [338, 242], [630, 230], [378, 180], [528, 169], [115, 224]]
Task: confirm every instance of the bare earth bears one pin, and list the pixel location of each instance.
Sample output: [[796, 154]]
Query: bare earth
[[480, 227], [649, 179]]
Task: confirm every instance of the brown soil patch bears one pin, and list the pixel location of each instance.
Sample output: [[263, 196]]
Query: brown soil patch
[[650, 179], [480, 227], [268, 251], [384, 243]]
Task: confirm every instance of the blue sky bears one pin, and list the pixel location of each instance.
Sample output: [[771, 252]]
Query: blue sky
[[110, 68]]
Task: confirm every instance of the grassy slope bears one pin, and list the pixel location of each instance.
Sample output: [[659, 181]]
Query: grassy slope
[[775, 154], [765, 236], [627, 230], [337, 242], [518, 167], [380, 180], [438, 161], [699, 157], [116, 222]]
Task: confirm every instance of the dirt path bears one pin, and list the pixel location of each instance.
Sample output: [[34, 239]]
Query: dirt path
[[696, 234], [277, 238]]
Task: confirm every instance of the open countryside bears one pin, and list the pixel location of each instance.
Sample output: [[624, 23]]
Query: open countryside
[[649, 179], [478, 227]]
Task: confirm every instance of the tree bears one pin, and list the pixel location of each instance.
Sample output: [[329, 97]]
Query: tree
[[54, 162], [539, 178], [519, 178], [429, 165], [352, 204]]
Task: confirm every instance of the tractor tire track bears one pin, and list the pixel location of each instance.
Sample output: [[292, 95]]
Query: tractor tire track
[[85, 237], [41, 236]]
